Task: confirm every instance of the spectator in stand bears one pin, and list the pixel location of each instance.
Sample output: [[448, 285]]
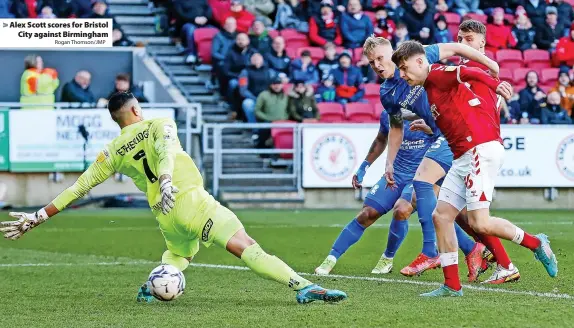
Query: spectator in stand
[[253, 80], [523, 33], [243, 17], [441, 6], [420, 21], [78, 90], [38, 83], [325, 27], [530, 98], [463, 7], [395, 10], [47, 12], [303, 69], [65, 8], [512, 114], [552, 112], [277, 58], [547, 35], [384, 27], [219, 10], [441, 32], [356, 27], [237, 58], [259, 39], [26, 9], [123, 84], [287, 18], [344, 4], [262, 10], [536, 11], [330, 61], [220, 46], [564, 55], [302, 104], [369, 76], [100, 10], [499, 34], [5, 10], [566, 12], [401, 35], [272, 105], [189, 15], [119, 39], [326, 91], [82, 8], [565, 90], [348, 81]]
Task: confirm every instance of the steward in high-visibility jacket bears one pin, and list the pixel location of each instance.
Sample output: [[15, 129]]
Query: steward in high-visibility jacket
[[38, 87]]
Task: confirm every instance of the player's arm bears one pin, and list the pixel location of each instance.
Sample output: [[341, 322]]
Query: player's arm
[[96, 173], [447, 50], [394, 144], [377, 148], [473, 74], [166, 144]]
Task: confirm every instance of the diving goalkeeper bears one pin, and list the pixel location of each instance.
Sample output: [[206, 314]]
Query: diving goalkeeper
[[149, 152]]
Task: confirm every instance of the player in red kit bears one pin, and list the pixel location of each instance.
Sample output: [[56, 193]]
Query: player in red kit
[[468, 120]]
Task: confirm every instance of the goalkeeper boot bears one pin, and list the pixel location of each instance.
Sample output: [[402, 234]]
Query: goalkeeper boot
[[326, 267], [545, 255], [315, 292], [443, 291], [144, 294], [385, 265]]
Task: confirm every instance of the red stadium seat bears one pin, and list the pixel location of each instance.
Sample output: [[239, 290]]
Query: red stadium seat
[[509, 18], [372, 16], [509, 58], [203, 37], [379, 109], [294, 39], [287, 88], [506, 75], [549, 76], [357, 54], [451, 18], [478, 17], [340, 49], [291, 52], [372, 91], [283, 138], [360, 113], [570, 2], [537, 58], [519, 74], [547, 87], [317, 53], [331, 112], [519, 86], [453, 29], [490, 54], [273, 33]]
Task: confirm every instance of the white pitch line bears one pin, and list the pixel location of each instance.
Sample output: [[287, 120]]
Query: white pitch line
[[363, 278]]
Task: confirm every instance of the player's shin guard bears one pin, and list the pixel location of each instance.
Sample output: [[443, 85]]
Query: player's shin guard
[[397, 233], [271, 267], [177, 261], [494, 245], [449, 264], [347, 238], [426, 203]]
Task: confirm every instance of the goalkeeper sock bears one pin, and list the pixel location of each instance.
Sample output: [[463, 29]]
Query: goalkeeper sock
[[397, 233], [426, 203], [271, 267], [177, 261], [347, 238], [464, 242]]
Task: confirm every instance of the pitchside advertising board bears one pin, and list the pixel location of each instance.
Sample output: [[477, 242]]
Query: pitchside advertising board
[[49, 140], [536, 156]]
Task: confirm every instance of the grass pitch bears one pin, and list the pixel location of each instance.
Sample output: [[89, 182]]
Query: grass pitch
[[83, 268]]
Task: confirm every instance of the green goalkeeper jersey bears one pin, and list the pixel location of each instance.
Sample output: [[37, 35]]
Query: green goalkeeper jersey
[[143, 151]]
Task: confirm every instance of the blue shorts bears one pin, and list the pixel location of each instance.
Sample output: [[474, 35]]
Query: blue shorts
[[440, 152], [383, 199]]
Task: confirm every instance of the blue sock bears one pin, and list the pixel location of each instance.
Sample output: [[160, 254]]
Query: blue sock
[[397, 233], [464, 242], [348, 236], [426, 203]]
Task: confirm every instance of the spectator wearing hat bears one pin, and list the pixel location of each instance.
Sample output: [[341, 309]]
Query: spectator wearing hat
[[536, 11], [524, 33], [253, 80], [302, 104], [384, 26], [463, 7], [262, 9], [564, 55], [259, 38], [530, 98], [220, 45], [189, 15], [330, 61], [551, 112], [356, 27], [566, 12], [565, 90], [243, 17], [324, 28], [499, 35], [441, 32], [420, 22], [326, 91], [348, 81], [547, 35], [277, 58], [303, 69], [272, 105]]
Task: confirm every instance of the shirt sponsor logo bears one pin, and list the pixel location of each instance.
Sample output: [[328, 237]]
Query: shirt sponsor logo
[[333, 157], [206, 229], [131, 145], [565, 157]]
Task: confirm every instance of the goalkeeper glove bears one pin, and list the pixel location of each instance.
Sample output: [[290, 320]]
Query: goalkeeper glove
[[167, 190], [26, 221]]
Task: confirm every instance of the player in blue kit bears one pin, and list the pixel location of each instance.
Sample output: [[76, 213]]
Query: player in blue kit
[[397, 95]]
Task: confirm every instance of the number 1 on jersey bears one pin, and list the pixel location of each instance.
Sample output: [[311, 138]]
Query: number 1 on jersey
[[141, 155]]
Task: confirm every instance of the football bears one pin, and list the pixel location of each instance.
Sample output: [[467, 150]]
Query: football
[[166, 282]]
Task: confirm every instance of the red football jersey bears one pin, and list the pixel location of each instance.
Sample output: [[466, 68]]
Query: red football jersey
[[470, 63], [466, 117]]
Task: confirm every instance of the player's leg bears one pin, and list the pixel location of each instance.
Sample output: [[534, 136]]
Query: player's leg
[[378, 202], [486, 162], [225, 229]]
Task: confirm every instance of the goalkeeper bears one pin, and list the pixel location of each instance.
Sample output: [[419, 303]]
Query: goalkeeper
[[149, 152]]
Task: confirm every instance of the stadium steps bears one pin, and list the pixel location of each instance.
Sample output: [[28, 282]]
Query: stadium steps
[[135, 20], [138, 30], [130, 10]]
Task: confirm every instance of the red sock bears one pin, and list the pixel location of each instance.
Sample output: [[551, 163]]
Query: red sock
[[530, 242], [451, 278], [495, 246]]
